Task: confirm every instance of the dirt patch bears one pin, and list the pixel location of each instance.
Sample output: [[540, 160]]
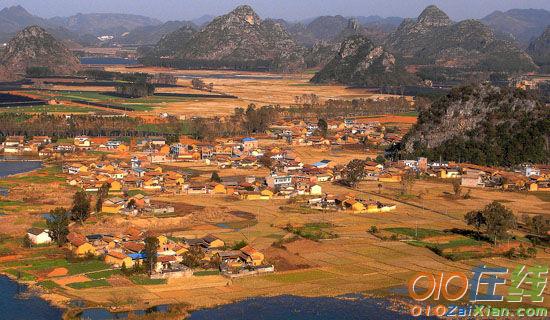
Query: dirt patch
[[9, 258], [180, 208], [58, 272], [69, 280], [442, 239], [118, 281], [284, 260], [303, 245]]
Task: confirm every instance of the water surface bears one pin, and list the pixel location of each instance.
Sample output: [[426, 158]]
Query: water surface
[[17, 304], [8, 168]]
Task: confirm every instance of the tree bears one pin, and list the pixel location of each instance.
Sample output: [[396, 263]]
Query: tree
[[380, 159], [123, 268], [58, 225], [102, 194], [354, 172], [323, 127], [475, 218], [535, 224], [407, 183], [239, 245], [499, 220], [457, 188], [135, 90], [266, 161], [496, 218], [39, 72], [151, 247], [215, 177], [27, 243], [193, 257], [81, 206], [379, 188], [198, 84]]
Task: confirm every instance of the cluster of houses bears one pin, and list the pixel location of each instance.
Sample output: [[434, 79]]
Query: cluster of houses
[[18, 145], [525, 177], [343, 132], [349, 202], [128, 248]]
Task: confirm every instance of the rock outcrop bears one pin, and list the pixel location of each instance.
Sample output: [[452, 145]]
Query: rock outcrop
[[483, 124]]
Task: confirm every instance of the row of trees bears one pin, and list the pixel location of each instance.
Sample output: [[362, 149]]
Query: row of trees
[[135, 89], [62, 127], [310, 105], [242, 122]]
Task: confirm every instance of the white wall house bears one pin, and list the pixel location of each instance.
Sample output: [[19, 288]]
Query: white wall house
[[39, 236]]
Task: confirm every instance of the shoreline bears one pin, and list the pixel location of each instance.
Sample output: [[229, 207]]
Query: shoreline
[[22, 173], [396, 303]]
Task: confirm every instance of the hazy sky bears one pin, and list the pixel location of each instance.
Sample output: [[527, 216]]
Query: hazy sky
[[288, 9]]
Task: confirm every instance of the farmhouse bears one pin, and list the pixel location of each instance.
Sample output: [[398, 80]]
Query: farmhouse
[[39, 236]]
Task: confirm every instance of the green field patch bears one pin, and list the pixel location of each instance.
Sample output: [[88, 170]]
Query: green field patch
[[48, 284], [132, 193], [105, 274], [21, 275], [313, 231], [44, 175], [419, 233], [206, 273], [302, 276], [48, 109], [89, 284], [146, 281]]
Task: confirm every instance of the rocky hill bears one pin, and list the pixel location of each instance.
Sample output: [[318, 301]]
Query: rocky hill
[[360, 63], [539, 49], [99, 24], [151, 35], [238, 40], [484, 125], [34, 47], [434, 39], [323, 51], [522, 24], [13, 19]]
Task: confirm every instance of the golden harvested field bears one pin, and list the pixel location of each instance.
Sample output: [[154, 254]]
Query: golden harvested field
[[250, 87]]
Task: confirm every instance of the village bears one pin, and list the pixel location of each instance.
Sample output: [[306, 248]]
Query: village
[[139, 190]]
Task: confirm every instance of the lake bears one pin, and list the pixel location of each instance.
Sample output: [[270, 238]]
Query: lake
[[8, 168], [17, 308]]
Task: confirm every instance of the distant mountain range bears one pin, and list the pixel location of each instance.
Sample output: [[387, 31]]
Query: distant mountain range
[[523, 25], [376, 49], [539, 49], [433, 39]]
